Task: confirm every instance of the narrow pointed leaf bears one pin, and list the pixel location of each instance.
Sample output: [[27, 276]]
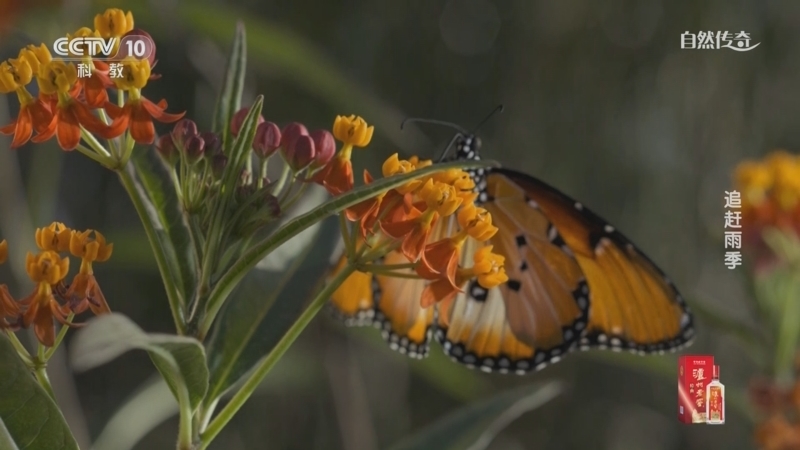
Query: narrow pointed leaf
[[230, 98], [166, 214], [264, 308], [28, 416], [475, 426], [244, 142], [337, 204], [179, 359]]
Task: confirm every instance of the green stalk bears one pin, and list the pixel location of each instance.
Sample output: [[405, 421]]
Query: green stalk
[[264, 367], [61, 333], [173, 297], [21, 350], [41, 374]]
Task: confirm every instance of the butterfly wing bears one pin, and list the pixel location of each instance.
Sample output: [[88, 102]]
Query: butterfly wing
[[634, 306], [534, 318]]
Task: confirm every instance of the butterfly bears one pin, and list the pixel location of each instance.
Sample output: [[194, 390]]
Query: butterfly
[[575, 283]]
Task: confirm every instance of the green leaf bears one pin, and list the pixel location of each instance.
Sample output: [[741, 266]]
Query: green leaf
[[150, 406], [244, 143], [236, 273], [264, 308], [280, 51], [170, 222], [230, 98], [27, 414], [180, 359], [6, 441], [475, 426]]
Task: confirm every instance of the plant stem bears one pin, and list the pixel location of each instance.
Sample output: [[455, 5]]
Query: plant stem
[[23, 352], [263, 368], [173, 297], [61, 333], [41, 373], [185, 426]]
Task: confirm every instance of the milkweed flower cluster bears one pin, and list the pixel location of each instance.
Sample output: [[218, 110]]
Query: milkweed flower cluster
[[778, 408], [52, 298], [72, 105], [770, 190], [406, 220]]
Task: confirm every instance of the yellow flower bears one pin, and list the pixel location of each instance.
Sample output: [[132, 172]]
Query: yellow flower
[[352, 131], [54, 238], [394, 165], [754, 179], [82, 33], [57, 77], [135, 74], [83, 246], [477, 222], [786, 184], [457, 177], [489, 268], [419, 163], [113, 23], [14, 74], [440, 197], [3, 251], [46, 267], [35, 56]]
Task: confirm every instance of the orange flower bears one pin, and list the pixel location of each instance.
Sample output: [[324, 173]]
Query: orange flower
[[15, 74], [414, 232], [139, 112], [60, 79], [84, 291], [46, 269], [8, 306], [337, 176], [8, 309], [53, 238], [440, 260]]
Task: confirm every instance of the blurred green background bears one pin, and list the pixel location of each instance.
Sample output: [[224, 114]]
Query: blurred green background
[[599, 100]]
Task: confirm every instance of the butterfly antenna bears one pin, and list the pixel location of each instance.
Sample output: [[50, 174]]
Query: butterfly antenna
[[434, 121], [449, 146], [498, 109]]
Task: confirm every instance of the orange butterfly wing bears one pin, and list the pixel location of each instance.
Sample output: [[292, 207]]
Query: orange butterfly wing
[[634, 306]]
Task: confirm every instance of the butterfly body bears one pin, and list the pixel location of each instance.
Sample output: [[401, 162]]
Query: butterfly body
[[575, 282]]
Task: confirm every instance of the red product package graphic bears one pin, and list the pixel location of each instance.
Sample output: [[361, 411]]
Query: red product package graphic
[[694, 374]]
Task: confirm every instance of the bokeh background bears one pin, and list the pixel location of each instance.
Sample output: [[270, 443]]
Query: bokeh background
[[600, 101]]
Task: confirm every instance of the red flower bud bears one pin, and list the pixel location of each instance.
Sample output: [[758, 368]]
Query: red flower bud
[[194, 148], [213, 143], [290, 134], [325, 146], [268, 139], [166, 148], [218, 163], [238, 120], [182, 131], [301, 154]]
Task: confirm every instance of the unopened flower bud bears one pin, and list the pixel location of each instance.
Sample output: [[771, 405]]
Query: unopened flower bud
[[182, 131], [238, 120], [194, 147], [325, 147], [213, 143], [290, 134], [166, 148], [218, 164], [268, 139], [301, 154]]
